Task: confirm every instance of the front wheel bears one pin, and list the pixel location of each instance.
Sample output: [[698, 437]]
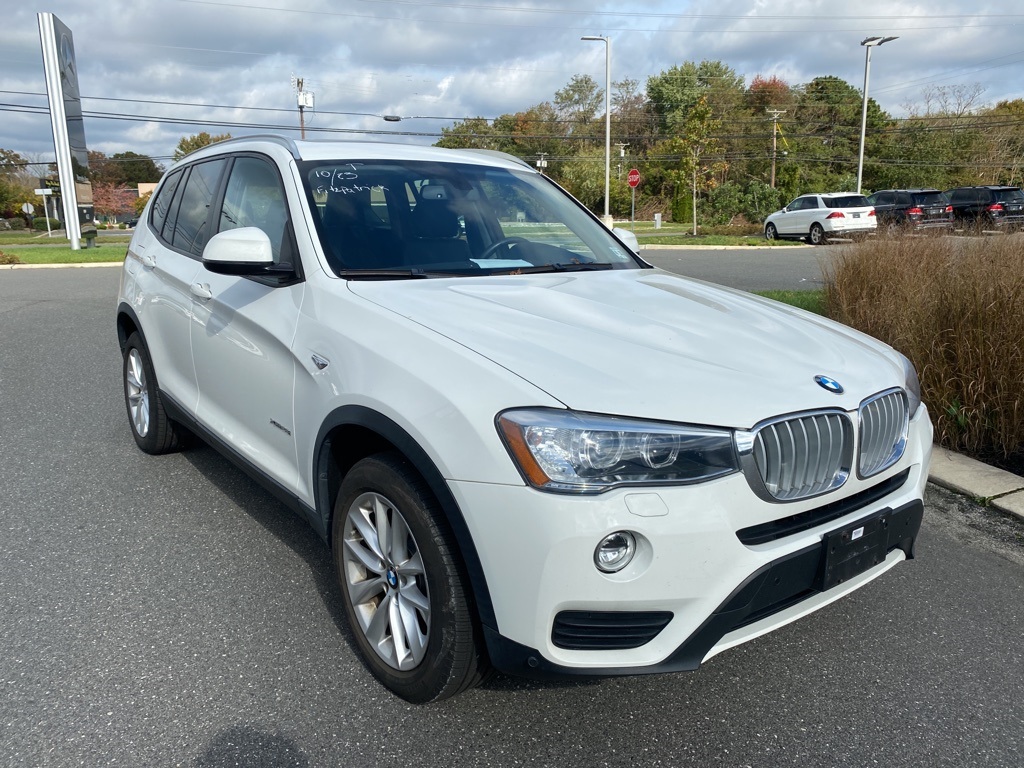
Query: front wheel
[[403, 592], [771, 233], [817, 236]]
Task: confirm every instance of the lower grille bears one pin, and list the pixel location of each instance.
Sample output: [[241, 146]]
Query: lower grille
[[607, 630]]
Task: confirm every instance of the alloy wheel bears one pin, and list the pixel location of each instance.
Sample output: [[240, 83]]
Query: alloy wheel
[[386, 581]]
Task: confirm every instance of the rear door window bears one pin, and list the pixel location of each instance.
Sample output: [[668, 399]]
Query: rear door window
[[191, 229]]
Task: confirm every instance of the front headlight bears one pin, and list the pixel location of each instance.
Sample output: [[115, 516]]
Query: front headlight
[[587, 453], [912, 385]]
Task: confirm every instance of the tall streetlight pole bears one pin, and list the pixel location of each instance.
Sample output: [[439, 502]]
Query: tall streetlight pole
[[868, 43], [607, 122]]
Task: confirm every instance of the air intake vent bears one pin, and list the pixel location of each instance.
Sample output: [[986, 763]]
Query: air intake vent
[[607, 630]]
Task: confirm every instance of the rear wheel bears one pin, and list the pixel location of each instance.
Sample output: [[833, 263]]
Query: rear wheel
[[153, 431], [403, 591], [817, 235]]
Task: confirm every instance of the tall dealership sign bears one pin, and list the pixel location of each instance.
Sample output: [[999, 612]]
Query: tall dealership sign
[[61, 70]]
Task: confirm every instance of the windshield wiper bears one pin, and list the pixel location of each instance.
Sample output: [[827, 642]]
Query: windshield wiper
[[579, 266], [398, 273]]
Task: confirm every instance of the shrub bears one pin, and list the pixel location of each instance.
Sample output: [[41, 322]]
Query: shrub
[[953, 306], [16, 223], [9, 258], [39, 224]]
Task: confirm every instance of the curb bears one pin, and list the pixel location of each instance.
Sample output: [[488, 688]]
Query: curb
[[85, 265], [990, 486]]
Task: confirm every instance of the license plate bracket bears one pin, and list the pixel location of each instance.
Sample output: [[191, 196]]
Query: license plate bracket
[[853, 549]]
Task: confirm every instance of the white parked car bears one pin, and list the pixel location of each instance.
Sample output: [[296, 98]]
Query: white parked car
[[527, 448], [815, 218]]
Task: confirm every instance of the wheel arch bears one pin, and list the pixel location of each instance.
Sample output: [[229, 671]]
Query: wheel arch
[[353, 432], [127, 324]]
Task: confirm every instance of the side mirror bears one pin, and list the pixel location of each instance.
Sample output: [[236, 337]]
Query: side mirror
[[628, 238], [244, 251]]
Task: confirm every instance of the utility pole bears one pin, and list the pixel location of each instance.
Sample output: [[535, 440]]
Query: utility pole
[[304, 99], [775, 133]]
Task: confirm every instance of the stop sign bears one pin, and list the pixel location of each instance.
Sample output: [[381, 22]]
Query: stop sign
[[633, 177]]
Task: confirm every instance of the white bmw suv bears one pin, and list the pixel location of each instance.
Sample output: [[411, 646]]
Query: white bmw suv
[[526, 448]]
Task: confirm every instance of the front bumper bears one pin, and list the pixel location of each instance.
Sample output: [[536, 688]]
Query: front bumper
[[715, 566]]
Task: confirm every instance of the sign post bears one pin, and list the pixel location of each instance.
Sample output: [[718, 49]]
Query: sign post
[[633, 179], [46, 210]]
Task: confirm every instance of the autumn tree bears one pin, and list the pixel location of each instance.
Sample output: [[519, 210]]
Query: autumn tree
[[198, 141]]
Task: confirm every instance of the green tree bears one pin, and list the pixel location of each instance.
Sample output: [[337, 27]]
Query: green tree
[[198, 141], [471, 133], [135, 169], [674, 92], [579, 101], [695, 159]]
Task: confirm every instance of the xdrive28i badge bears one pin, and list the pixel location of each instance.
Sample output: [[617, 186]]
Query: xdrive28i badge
[[830, 384]]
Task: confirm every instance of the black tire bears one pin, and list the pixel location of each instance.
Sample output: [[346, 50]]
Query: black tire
[[417, 569], [817, 235], [770, 232], [153, 431]]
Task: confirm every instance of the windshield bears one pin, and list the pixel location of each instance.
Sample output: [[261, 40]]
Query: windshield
[[381, 218]]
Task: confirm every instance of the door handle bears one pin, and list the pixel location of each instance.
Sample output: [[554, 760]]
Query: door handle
[[201, 291], [147, 260]]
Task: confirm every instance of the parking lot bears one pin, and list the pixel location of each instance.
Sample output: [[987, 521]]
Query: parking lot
[[167, 611]]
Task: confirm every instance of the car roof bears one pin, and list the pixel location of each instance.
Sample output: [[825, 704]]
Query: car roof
[[335, 150], [985, 186], [911, 189]]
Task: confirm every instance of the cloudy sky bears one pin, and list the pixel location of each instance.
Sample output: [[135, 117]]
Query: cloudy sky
[[152, 71]]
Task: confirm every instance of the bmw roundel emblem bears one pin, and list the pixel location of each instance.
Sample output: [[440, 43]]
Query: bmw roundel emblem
[[830, 384]]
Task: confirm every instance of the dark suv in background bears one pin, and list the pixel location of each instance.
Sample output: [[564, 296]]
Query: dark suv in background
[[988, 206], [911, 209]]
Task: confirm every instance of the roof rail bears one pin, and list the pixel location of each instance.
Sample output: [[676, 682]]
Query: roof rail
[[502, 155], [284, 141]]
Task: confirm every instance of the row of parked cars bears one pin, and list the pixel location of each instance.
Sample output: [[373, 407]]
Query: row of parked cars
[[816, 217]]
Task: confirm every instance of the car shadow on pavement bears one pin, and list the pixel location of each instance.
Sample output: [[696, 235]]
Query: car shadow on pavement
[[293, 531], [277, 519]]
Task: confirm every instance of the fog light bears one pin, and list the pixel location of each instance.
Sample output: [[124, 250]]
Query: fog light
[[615, 551]]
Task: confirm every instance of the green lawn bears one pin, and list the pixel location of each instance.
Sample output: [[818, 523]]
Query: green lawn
[[27, 247], [812, 300]]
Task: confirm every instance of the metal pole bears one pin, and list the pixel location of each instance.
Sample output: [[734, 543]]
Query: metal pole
[[607, 122], [607, 129], [864, 114], [868, 43]]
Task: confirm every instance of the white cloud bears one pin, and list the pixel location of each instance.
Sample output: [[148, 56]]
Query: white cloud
[[459, 58]]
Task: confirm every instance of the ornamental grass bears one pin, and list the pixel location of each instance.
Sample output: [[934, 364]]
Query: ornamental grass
[[955, 307]]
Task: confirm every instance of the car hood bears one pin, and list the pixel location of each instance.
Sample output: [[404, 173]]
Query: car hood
[[648, 344]]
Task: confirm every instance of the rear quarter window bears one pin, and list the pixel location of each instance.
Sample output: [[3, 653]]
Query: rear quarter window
[[162, 201]]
